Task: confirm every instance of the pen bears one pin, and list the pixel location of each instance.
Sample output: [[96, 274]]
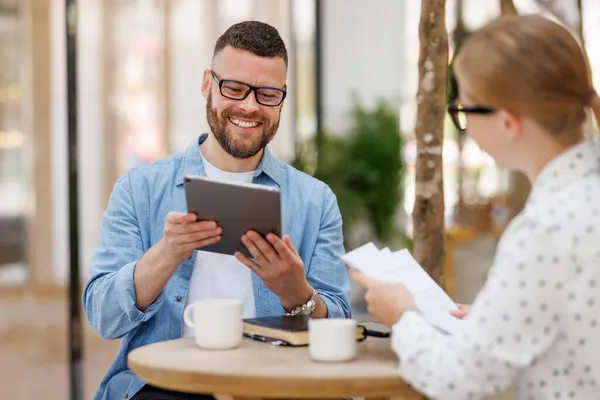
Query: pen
[[266, 339]]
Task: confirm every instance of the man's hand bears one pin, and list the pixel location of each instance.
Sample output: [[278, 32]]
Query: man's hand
[[463, 310], [386, 302], [183, 234], [279, 266]]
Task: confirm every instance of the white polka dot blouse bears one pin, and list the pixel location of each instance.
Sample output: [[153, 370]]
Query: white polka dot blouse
[[534, 323]]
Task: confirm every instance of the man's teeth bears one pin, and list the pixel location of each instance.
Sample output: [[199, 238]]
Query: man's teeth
[[243, 124]]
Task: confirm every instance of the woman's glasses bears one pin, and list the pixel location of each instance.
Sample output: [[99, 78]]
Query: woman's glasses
[[235, 90], [459, 113]]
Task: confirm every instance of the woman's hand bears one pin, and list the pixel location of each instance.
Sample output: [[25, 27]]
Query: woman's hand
[[386, 302], [463, 310]]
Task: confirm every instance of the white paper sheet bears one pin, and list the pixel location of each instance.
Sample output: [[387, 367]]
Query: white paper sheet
[[400, 267]]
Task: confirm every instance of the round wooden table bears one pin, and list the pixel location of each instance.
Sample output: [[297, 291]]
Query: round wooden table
[[257, 370]]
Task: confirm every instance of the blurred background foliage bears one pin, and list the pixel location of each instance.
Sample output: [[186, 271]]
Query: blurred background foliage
[[365, 168]]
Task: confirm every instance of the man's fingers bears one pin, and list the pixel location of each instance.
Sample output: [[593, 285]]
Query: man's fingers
[[247, 262], [360, 278], [288, 242], [281, 247], [201, 226], [265, 247], [175, 217], [253, 249], [185, 228], [200, 243], [199, 236]]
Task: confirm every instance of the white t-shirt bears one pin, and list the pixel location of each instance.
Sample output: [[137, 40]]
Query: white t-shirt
[[216, 275]]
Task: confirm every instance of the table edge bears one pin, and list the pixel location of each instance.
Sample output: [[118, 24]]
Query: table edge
[[203, 382]]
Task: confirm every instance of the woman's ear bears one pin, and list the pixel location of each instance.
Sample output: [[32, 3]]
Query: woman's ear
[[511, 125], [206, 83]]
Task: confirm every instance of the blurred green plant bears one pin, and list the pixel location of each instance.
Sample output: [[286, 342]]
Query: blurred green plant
[[365, 168]]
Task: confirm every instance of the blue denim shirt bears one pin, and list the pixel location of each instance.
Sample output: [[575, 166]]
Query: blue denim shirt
[[133, 222]]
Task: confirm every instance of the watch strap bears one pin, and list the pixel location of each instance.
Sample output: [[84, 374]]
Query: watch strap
[[306, 308]]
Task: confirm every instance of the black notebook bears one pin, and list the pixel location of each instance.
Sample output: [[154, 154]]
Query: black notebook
[[284, 330]]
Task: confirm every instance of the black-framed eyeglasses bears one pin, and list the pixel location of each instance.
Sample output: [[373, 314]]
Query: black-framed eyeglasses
[[459, 113], [236, 90]]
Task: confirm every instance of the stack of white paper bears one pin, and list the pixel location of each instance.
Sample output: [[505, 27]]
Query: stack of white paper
[[400, 267]]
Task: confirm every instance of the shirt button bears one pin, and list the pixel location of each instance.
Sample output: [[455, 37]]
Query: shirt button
[[125, 396], [178, 298]]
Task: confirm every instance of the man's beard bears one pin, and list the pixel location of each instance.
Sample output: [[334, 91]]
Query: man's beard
[[239, 148]]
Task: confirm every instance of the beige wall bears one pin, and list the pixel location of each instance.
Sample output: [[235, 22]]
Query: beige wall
[[38, 97]]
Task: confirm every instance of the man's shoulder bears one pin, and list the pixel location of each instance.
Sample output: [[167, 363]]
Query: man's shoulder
[[303, 181]]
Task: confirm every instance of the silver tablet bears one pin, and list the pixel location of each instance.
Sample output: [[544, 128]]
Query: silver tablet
[[236, 207]]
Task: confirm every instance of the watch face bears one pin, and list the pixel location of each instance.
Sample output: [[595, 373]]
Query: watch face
[[309, 308]]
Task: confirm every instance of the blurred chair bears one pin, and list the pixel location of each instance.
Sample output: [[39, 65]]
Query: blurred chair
[[455, 235]]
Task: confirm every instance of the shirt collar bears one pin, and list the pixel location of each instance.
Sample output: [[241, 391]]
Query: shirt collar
[[192, 163], [575, 163]]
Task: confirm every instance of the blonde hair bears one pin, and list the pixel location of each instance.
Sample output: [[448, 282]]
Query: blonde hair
[[531, 67]]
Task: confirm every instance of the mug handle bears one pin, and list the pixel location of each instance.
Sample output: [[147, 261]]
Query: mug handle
[[187, 318]]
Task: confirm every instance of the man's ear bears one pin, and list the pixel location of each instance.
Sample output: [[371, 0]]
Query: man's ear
[[511, 125], [206, 83], [283, 102]]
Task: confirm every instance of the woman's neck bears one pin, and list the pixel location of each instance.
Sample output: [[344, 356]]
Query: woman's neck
[[543, 151]]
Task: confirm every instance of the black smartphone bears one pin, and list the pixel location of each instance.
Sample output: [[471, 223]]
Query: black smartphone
[[376, 329]]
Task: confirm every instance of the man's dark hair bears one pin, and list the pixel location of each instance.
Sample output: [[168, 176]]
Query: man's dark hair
[[256, 37]]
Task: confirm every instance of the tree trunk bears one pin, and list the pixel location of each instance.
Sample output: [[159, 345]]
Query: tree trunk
[[580, 22], [558, 9], [507, 7], [428, 213]]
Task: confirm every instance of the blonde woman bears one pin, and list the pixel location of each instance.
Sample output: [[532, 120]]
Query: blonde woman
[[525, 88]]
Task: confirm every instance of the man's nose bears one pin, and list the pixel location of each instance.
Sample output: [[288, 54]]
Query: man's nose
[[249, 104]]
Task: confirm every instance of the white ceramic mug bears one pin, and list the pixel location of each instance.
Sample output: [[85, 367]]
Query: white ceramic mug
[[332, 339], [217, 323]]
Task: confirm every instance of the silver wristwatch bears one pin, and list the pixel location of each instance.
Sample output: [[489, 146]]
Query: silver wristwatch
[[307, 308]]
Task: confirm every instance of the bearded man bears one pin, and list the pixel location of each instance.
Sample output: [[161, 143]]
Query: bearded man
[[149, 263]]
